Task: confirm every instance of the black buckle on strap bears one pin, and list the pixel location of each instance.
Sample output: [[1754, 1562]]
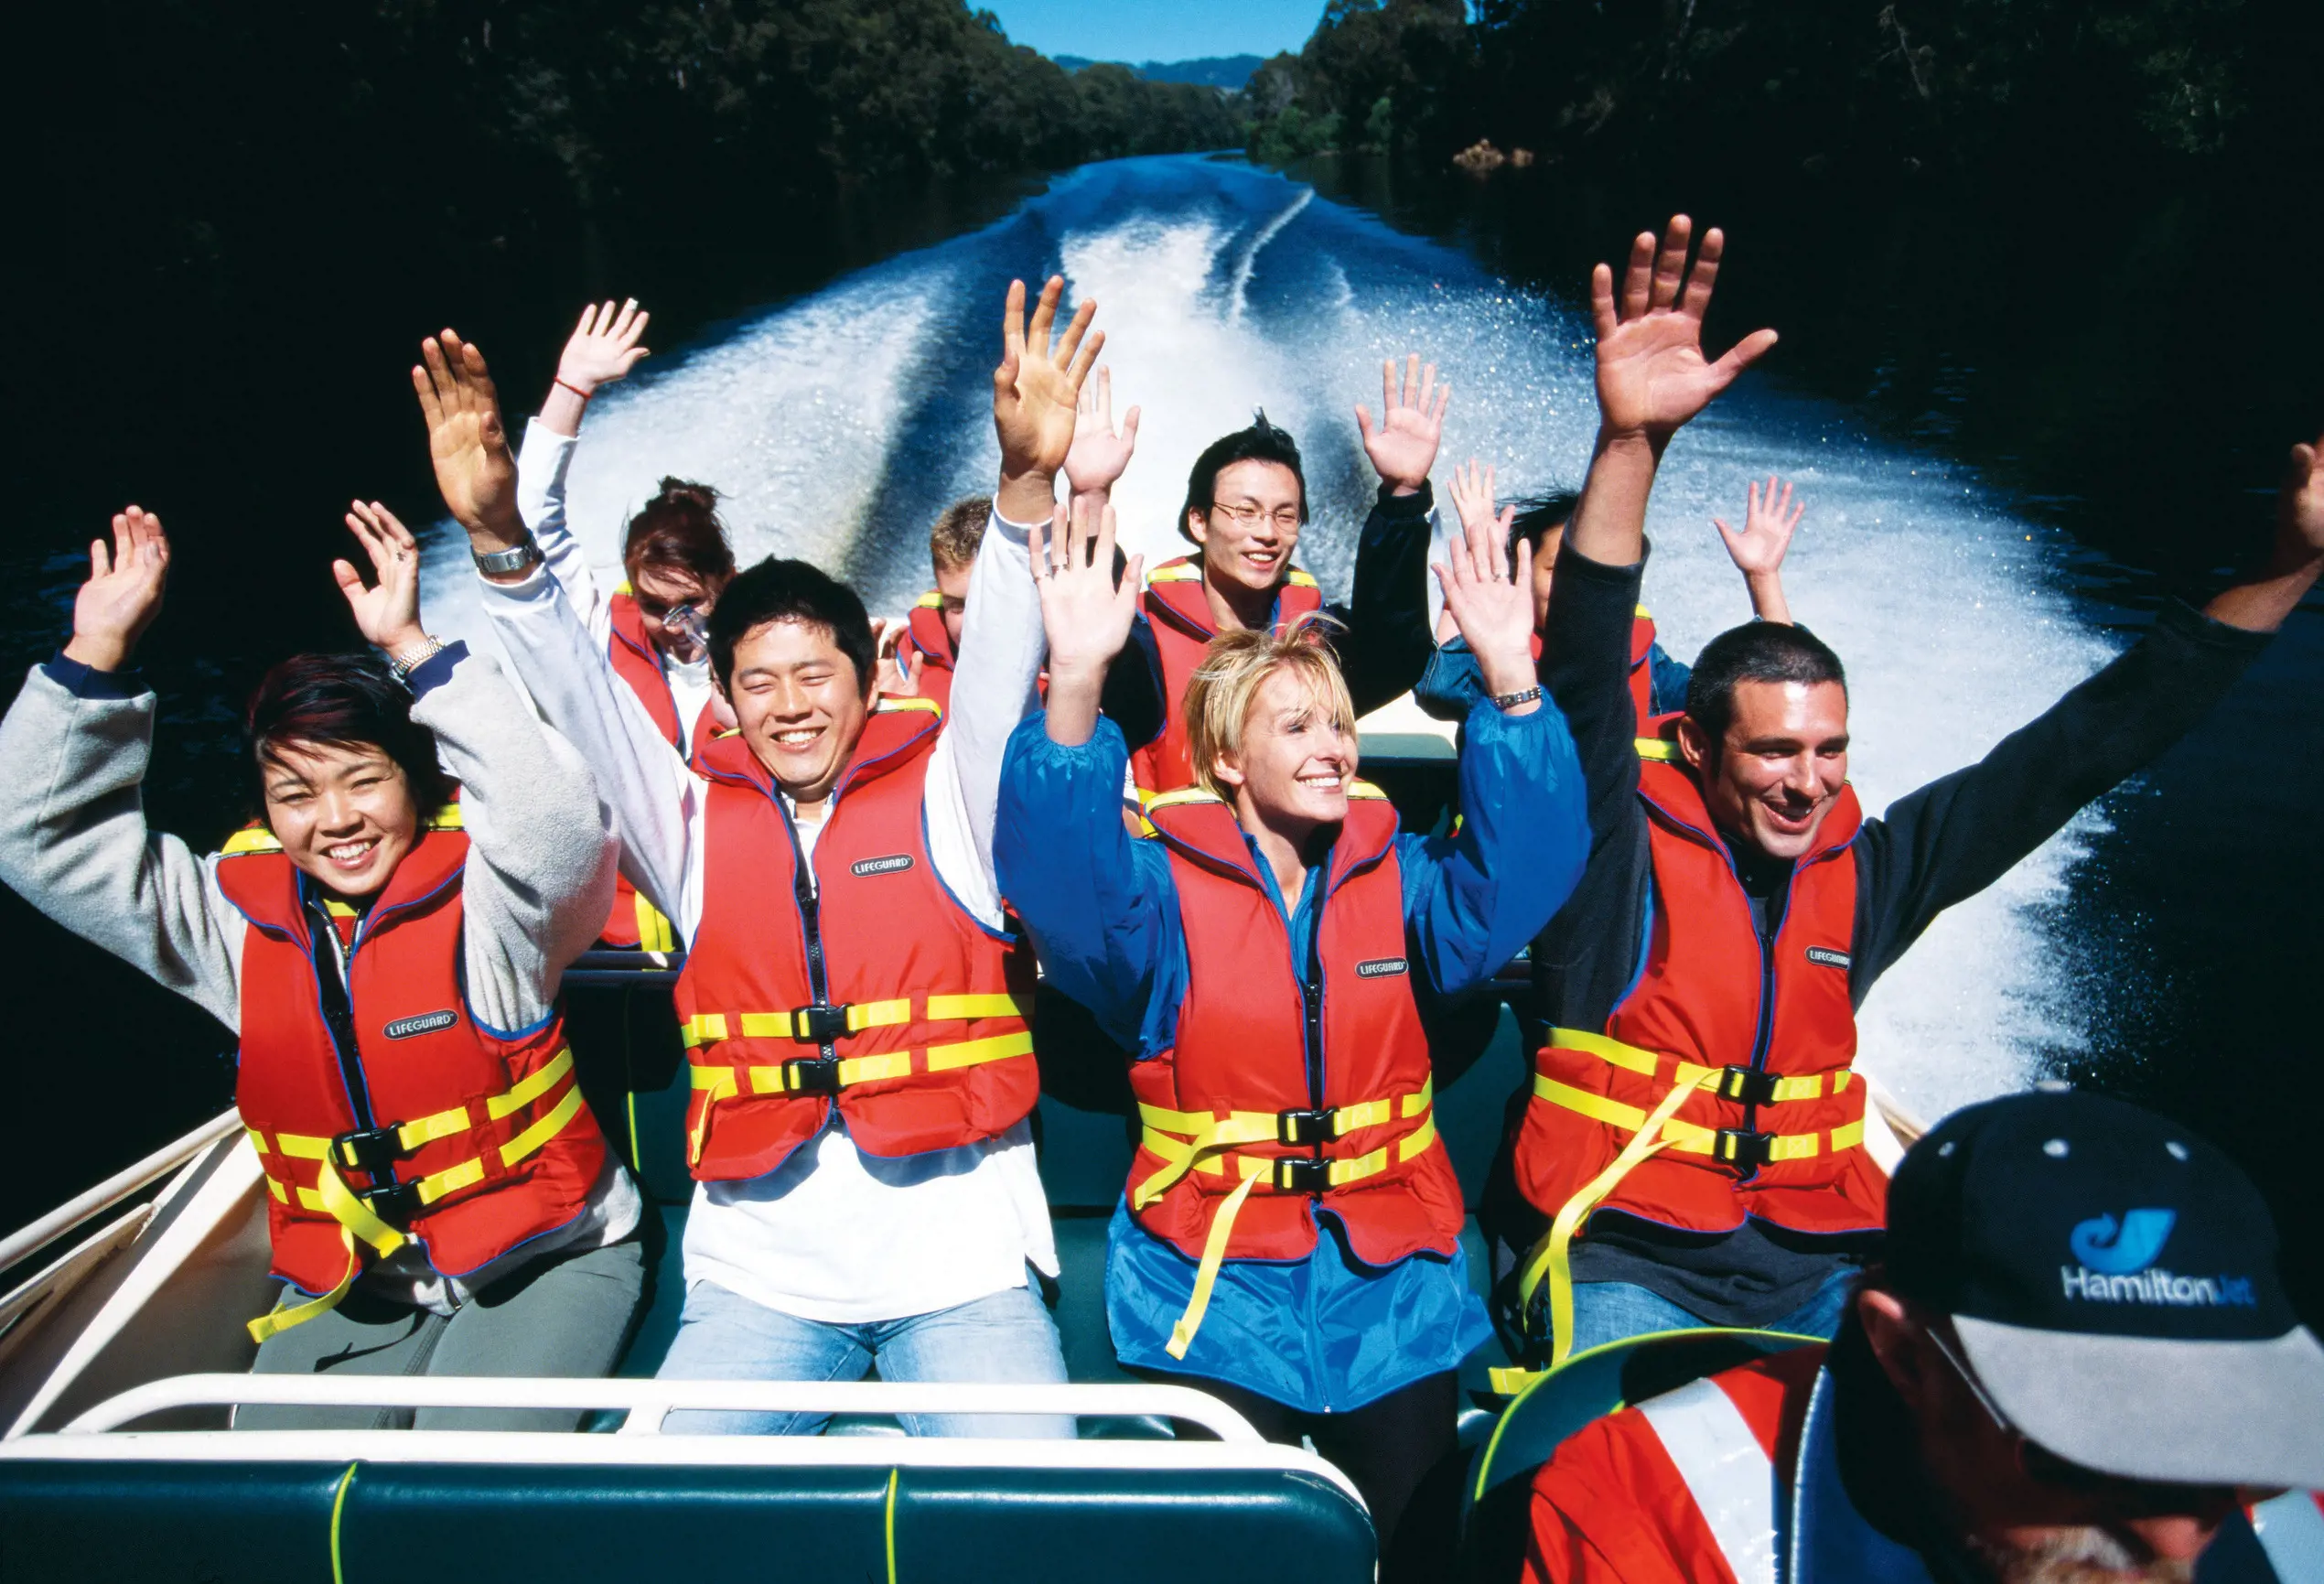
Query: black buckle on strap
[[394, 1203], [811, 1075], [372, 1151], [1304, 1126], [1741, 1147], [818, 1025], [1301, 1174], [1747, 1084]]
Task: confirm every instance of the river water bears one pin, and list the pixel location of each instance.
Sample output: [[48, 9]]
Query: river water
[[2153, 947]]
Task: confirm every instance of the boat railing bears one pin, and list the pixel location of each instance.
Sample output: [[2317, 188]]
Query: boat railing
[[114, 1191]]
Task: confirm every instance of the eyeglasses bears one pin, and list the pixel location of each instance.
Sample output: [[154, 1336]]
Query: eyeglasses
[[1250, 514]]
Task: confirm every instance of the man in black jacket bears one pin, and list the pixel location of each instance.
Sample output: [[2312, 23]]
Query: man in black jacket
[[1691, 1150]]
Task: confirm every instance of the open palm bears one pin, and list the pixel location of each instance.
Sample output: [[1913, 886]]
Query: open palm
[[604, 346], [1099, 453], [466, 440], [1085, 611], [1767, 530], [1412, 423], [1651, 374], [2303, 499], [388, 613], [122, 595], [1037, 387]]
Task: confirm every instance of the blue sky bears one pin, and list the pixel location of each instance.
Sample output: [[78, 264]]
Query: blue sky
[[1137, 30]]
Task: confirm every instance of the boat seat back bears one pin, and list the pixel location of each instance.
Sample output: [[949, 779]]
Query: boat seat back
[[367, 1522], [1587, 1386]]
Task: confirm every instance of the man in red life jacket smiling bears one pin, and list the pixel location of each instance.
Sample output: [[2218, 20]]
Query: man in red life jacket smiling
[[1692, 1150], [1246, 506], [854, 1000]]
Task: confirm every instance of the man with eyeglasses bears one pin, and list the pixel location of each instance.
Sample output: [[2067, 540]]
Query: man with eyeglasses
[[2077, 1363], [1246, 503]]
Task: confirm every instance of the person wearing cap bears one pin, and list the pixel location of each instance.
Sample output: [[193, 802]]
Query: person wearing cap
[[2075, 1364]]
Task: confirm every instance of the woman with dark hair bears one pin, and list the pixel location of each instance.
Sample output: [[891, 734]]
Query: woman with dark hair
[[440, 1199], [676, 562]]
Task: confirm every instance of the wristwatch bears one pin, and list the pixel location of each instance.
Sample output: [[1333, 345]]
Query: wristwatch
[[1508, 701], [403, 665], [501, 563]]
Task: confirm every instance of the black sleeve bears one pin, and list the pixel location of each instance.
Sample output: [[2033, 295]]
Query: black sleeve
[[1955, 837], [1132, 698], [1387, 642], [1586, 957]]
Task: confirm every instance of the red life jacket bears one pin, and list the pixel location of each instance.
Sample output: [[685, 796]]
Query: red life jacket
[[1180, 616], [924, 636], [1641, 667], [480, 1141], [635, 924], [871, 987], [1238, 1151], [1743, 1053], [1699, 1483]]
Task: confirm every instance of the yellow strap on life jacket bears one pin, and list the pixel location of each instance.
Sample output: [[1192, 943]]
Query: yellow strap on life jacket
[[1652, 1132], [359, 1222], [655, 933], [1656, 748], [724, 1081], [1190, 1141]]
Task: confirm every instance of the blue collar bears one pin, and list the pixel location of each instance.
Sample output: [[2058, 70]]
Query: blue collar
[[1831, 1542]]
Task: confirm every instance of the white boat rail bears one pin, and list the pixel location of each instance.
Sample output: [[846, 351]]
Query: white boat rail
[[30, 1240], [647, 1401]]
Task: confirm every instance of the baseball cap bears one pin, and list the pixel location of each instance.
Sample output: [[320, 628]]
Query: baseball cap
[[2112, 1280]]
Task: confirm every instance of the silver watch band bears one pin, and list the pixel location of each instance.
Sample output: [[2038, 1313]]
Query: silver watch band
[[500, 563], [403, 665]]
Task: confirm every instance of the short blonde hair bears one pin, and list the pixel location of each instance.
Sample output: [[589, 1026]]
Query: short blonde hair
[[952, 543], [1235, 666]]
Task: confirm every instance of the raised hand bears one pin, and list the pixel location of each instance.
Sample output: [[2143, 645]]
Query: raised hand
[[1412, 421], [388, 615], [122, 595], [1757, 551], [2302, 502], [1651, 374], [467, 442], [1493, 603], [1099, 453], [1084, 610], [1036, 389], [603, 347], [1472, 497]]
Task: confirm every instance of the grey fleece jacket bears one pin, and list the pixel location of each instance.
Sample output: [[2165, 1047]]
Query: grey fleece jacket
[[74, 843]]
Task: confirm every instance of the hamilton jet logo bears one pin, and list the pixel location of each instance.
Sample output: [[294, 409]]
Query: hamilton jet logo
[[2116, 1265], [425, 1023], [2119, 1249], [887, 866]]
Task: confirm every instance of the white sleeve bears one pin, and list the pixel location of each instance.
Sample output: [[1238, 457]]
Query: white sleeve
[[541, 465], [995, 686], [655, 801]]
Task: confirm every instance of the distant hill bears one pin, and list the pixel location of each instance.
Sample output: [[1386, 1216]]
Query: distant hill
[[1227, 71]]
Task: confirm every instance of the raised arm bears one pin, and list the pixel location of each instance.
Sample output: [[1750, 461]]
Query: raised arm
[[73, 840], [1757, 551], [1092, 897], [1953, 837], [1652, 380], [1473, 899], [602, 349], [1388, 642], [539, 871], [647, 790]]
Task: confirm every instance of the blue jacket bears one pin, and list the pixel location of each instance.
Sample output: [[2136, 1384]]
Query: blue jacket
[[1324, 1333]]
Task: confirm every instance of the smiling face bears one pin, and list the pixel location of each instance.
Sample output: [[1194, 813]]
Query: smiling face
[[952, 587], [1773, 778], [343, 812], [658, 591], [1252, 526], [801, 704], [1298, 756]]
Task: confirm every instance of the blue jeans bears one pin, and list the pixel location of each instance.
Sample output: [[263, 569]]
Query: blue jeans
[[1003, 1337], [1613, 1312]]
